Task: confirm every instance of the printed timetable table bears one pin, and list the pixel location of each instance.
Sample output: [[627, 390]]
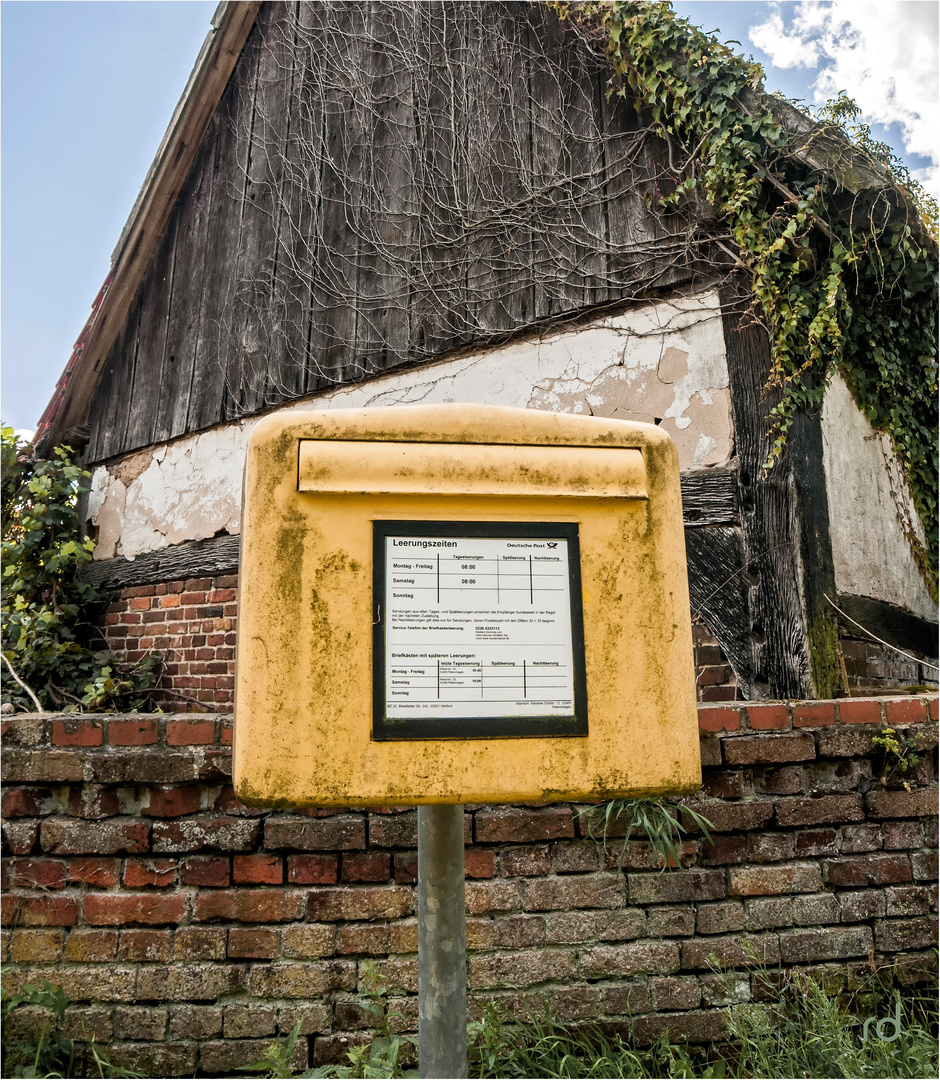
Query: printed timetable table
[[478, 627]]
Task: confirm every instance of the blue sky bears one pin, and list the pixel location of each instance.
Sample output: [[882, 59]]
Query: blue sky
[[88, 87]]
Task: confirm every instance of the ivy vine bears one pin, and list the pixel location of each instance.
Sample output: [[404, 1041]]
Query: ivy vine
[[47, 660], [843, 283]]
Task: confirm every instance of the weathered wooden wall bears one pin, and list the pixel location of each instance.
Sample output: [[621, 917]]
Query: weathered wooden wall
[[382, 183]]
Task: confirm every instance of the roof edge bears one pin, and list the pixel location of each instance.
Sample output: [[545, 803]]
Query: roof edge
[[66, 413]]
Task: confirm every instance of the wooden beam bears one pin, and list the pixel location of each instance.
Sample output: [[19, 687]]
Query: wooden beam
[[196, 558], [232, 23], [777, 637], [893, 625]]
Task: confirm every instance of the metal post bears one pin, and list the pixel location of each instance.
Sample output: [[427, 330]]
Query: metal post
[[442, 943]]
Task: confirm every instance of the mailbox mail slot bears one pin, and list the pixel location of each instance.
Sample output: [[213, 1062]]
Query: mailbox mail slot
[[461, 603], [478, 469]]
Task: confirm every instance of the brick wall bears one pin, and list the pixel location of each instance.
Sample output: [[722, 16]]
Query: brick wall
[[191, 624], [189, 929]]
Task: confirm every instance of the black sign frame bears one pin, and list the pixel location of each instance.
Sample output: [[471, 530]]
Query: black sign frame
[[386, 728]]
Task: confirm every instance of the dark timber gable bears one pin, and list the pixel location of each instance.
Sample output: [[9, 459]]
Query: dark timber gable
[[383, 183]]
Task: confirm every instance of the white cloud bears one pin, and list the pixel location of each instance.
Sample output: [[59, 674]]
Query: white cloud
[[882, 53]]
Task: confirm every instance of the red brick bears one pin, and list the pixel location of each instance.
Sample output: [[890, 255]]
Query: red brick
[[405, 867], [141, 873], [77, 732], [768, 717], [141, 946], [514, 824], [190, 732], [341, 832], [257, 870], [93, 801], [911, 710], [139, 603], [733, 817], [479, 864], [258, 944], [727, 783], [718, 693], [36, 946], [100, 873], [769, 749], [860, 711], [675, 886], [365, 866], [718, 718], [193, 834], [924, 865], [739, 950], [93, 838], [249, 905], [148, 908], [206, 870], [350, 902], [139, 590], [770, 847], [40, 911], [132, 732], [831, 943], [827, 808], [872, 869], [821, 714], [661, 958], [172, 801], [818, 842], [38, 874], [364, 938], [933, 708], [529, 861], [91, 946], [902, 804], [724, 850], [774, 880], [26, 802], [226, 734], [169, 601]]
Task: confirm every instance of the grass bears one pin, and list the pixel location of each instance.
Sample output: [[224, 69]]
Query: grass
[[802, 1031]]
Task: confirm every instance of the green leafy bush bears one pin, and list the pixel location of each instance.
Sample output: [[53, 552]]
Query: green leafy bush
[[46, 664]]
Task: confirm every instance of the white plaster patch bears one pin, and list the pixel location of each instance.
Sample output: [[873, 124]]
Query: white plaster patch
[[661, 363], [870, 553]]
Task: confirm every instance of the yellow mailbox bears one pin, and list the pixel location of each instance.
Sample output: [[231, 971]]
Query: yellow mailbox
[[461, 603]]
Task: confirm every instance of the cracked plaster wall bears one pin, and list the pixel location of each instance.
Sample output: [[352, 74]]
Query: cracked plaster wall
[[867, 496], [662, 363]]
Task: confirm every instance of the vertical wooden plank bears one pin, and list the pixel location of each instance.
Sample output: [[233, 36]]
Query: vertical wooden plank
[[816, 563], [185, 312], [332, 346], [157, 295], [257, 334], [770, 528], [296, 206], [216, 347], [108, 412], [385, 193]]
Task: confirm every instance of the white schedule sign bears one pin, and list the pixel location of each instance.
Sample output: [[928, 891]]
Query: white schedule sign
[[478, 627]]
